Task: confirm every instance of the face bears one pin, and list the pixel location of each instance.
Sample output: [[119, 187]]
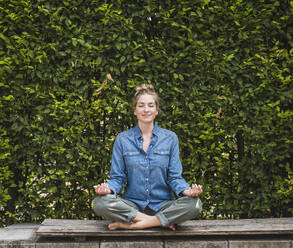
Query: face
[[146, 109]]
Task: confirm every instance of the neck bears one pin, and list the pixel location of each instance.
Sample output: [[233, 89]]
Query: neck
[[146, 128]]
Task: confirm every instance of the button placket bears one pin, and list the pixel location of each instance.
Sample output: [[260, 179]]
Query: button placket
[[147, 176]]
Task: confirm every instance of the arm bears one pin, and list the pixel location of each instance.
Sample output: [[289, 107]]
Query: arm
[[117, 174], [175, 179]]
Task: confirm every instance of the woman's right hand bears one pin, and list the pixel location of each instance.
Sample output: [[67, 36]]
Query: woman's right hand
[[102, 189]]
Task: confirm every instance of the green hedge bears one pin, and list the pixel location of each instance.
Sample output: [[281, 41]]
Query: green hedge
[[68, 69]]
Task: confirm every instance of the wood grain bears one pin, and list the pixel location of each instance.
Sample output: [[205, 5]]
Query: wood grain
[[62, 227]]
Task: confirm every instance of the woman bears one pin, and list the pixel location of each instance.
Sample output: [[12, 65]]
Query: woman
[[146, 160]]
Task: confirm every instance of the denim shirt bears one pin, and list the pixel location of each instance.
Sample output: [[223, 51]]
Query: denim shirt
[[151, 177]]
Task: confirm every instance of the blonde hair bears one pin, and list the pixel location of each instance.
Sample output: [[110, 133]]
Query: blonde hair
[[143, 89]]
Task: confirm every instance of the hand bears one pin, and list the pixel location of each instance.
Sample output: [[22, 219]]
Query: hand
[[194, 191], [102, 189]]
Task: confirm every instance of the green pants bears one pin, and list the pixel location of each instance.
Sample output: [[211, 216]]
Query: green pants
[[114, 208]]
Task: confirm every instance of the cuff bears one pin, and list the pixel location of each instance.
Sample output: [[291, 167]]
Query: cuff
[[164, 221], [113, 191], [179, 191]]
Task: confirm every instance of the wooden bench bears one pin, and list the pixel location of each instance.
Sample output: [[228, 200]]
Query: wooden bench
[[94, 228], [57, 233]]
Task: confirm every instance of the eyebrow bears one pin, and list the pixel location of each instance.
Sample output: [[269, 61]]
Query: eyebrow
[[140, 103]]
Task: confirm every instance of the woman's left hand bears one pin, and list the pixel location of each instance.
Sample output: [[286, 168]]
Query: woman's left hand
[[102, 189], [194, 191]]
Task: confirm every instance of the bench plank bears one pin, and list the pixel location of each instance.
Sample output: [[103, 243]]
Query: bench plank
[[77, 228]]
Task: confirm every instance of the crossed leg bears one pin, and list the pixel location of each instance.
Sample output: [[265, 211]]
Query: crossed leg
[[126, 214]]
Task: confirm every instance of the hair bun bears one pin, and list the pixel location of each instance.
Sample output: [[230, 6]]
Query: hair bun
[[144, 88]]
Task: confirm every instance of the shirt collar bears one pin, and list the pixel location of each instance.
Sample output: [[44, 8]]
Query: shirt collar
[[138, 134], [156, 129]]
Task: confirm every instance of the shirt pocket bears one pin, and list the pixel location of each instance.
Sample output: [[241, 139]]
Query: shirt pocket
[[161, 158], [131, 159]]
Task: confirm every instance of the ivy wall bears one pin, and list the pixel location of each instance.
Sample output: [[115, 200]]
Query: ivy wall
[[68, 70]]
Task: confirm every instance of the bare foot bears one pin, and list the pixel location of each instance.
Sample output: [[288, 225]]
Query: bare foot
[[118, 225], [172, 227], [140, 223]]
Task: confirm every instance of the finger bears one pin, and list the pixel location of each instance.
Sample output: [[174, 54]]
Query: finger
[[189, 192], [197, 187], [105, 186], [194, 188], [101, 192], [195, 192], [200, 188], [103, 189], [198, 192], [97, 190]]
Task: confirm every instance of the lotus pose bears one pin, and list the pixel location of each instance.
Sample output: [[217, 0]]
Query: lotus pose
[[146, 160]]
